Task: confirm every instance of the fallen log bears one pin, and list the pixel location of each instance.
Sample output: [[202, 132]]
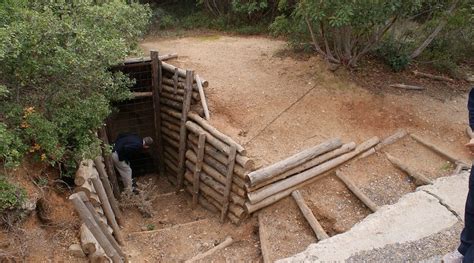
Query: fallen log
[[203, 97], [216, 133], [310, 218], [357, 192], [398, 135], [243, 161], [311, 163], [407, 87], [421, 179], [437, 150], [227, 242], [282, 189], [431, 76], [264, 239], [277, 168]]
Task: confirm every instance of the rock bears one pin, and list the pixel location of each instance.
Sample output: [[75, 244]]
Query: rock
[[76, 250]]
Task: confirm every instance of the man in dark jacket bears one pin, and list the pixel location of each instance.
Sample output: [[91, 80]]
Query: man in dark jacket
[[465, 251], [125, 148]]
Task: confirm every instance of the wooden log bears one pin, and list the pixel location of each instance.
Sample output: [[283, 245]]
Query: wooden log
[[218, 144], [170, 126], [168, 56], [171, 103], [99, 165], [170, 141], [94, 199], [367, 153], [139, 95], [172, 134], [264, 239], [236, 209], [437, 150], [243, 161], [172, 153], [469, 132], [431, 76], [172, 97], [109, 165], [215, 185], [147, 59], [94, 228], [179, 91], [227, 242], [398, 135], [239, 170], [109, 214], [82, 173], [203, 97], [421, 179], [171, 112], [87, 188], [183, 135], [309, 216], [169, 119], [198, 168], [202, 201], [216, 133], [293, 161], [178, 83], [282, 189], [311, 163], [357, 192], [182, 73], [228, 182], [407, 87], [156, 78], [170, 164], [88, 242], [190, 155]]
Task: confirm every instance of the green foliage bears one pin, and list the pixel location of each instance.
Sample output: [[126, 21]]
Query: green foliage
[[56, 84], [11, 147], [11, 196], [394, 54]]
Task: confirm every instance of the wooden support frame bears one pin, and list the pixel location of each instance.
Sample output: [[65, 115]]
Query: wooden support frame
[[198, 168], [183, 130], [357, 192], [437, 150], [109, 165], [264, 239], [421, 179], [156, 77], [228, 183]]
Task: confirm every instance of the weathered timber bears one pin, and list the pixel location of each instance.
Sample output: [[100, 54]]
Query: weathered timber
[[203, 97], [309, 216], [277, 168], [99, 165], [179, 91], [228, 182], [367, 153], [243, 161], [311, 163], [398, 135], [171, 164], [227, 242], [139, 95], [275, 192], [202, 200], [437, 150], [88, 242], [109, 214], [171, 153], [431, 76], [109, 165], [169, 125], [421, 179], [170, 141], [171, 103], [198, 168], [83, 173], [156, 78], [170, 133], [182, 73], [407, 87], [183, 134], [357, 192], [171, 112], [147, 60], [216, 133], [264, 239], [94, 227], [218, 144], [213, 172]]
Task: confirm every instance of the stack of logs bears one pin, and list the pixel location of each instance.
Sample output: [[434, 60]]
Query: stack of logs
[[216, 169], [272, 183], [94, 191]]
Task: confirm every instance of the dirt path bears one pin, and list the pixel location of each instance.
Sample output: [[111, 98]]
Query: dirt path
[[278, 105]]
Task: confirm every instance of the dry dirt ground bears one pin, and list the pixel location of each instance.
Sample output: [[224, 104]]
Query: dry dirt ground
[[277, 103]]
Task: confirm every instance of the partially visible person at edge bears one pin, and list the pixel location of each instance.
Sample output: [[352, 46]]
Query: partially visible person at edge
[[125, 148], [465, 252]]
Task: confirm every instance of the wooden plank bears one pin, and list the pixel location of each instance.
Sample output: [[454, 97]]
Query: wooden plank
[[309, 216], [183, 130], [228, 183], [203, 97], [156, 80], [357, 192], [264, 239], [109, 165], [198, 167], [421, 179]]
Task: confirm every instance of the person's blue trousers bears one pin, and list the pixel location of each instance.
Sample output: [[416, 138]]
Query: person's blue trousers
[[467, 235]]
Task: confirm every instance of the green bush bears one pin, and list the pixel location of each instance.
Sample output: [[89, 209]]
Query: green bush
[[56, 58], [11, 196], [394, 54], [11, 147]]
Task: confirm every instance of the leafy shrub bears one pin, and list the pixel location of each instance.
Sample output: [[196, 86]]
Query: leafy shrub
[[11, 196], [56, 58], [11, 147], [394, 54]]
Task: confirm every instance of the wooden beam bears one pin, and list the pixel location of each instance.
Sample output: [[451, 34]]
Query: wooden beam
[[357, 192], [203, 97], [156, 88], [183, 135], [415, 175], [198, 168], [228, 183], [437, 150], [109, 164], [309, 216], [227, 242], [264, 239]]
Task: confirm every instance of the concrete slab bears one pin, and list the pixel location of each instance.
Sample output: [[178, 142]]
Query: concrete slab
[[415, 216], [451, 191]]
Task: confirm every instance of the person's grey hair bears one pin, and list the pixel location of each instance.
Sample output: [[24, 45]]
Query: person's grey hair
[[147, 141]]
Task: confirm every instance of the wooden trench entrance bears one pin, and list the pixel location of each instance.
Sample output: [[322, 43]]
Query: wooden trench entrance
[[169, 105]]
